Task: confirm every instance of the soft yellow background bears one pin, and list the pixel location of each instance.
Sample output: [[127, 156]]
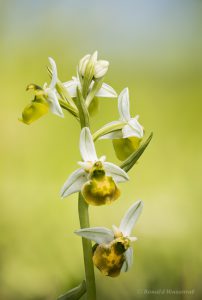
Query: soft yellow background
[[154, 48]]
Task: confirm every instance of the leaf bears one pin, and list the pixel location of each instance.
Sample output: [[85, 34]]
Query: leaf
[[133, 158], [75, 293]]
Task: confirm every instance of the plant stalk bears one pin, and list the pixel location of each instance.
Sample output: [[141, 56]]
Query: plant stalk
[[84, 215], [87, 250]]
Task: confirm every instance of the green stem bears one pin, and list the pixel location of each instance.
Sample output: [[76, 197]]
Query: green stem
[[87, 250], [83, 111], [107, 129], [83, 214]]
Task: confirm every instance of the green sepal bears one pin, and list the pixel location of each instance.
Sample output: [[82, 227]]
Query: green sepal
[[75, 293], [133, 158]]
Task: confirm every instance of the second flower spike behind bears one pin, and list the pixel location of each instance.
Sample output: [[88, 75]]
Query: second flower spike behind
[[96, 179], [113, 252]]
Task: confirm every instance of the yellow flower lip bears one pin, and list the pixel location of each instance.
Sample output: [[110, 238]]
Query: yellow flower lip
[[33, 112], [100, 191], [124, 147], [109, 258]]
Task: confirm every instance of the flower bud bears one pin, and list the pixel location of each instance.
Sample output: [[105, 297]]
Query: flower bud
[[83, 63], [90, 63], [126, 146], [34, 111], [101, 68], [109, 258]]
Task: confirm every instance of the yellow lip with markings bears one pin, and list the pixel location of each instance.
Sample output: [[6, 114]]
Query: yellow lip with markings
[[109, 258], [100, 189]]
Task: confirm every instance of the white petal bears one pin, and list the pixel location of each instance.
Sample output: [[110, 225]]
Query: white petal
[[54, 73], [101, 68], [124, 105], [97, 234], [87, 147], [53, 103], [133, 128], [116, 172], [130, 218], [128, 260], [86, 165], [94, 57], [106, 91], [74, 183], [71, 87], [117, 134]]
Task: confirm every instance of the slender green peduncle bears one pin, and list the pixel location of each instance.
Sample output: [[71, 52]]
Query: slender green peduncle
[[87, 250], [84, 215]]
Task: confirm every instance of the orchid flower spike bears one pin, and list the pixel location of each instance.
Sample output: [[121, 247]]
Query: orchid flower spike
[[113, 252], [127, 139], [45, 99], [96, 179], [90, 74]]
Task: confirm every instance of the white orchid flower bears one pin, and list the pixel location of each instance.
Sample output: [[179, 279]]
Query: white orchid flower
[[96, 179], [45, 99], [132, 127], [113, 251], [126, 133]]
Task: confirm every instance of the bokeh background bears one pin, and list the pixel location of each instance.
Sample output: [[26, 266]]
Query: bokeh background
[[154, 48]]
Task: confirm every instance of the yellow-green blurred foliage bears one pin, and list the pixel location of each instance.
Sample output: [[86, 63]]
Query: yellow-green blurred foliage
[[154, 48]]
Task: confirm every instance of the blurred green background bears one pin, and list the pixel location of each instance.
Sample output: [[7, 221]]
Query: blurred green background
[[154, 48]]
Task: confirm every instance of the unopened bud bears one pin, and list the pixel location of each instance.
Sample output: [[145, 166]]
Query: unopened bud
[[83, 63], [101, 68]]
